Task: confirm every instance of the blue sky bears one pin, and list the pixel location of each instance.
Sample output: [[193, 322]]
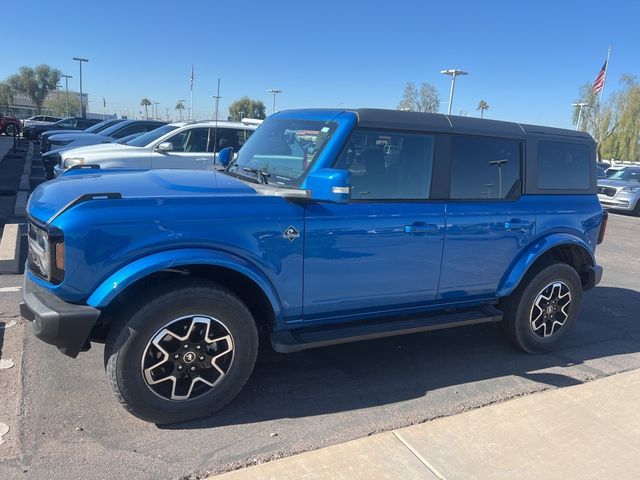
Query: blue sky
[[526, 59]]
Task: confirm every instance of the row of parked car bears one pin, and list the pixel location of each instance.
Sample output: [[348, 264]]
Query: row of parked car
[[139, 144]]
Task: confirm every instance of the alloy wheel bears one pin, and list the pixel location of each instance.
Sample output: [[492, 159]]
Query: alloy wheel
[[550, 309], [187, 357]]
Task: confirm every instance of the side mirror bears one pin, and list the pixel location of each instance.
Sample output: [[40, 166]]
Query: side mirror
[[330, 185], [165, 147], [224, 156]]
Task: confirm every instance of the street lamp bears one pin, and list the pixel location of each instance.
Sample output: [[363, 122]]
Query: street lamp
[[274, 91], [489, 187], [66, 87], [216, 100], [499, 164], [155, 110], [580, 106], [454, 72], [83, 112]]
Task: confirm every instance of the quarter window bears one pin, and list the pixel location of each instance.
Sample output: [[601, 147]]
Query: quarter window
[[484, 168], [389, 165], [565, 166]]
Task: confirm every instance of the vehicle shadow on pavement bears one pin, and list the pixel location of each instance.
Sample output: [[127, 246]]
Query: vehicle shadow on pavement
[[383, 372]]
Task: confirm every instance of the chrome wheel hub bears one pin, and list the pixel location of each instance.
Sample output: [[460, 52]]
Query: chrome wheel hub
[[550, 309], [187, 357]]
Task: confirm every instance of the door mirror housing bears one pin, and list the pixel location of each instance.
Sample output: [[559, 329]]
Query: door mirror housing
[[165, 147], [225, 156], [330, 185]]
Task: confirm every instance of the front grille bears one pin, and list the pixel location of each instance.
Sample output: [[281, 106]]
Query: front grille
[[608, 191], [34, 257]]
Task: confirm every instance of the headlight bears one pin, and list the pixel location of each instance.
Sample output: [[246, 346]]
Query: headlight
[[46, 254], [72, 162], [631, 189]]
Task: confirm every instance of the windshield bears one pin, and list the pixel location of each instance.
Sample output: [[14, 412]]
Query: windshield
[[65, 122], [282, 149], [101, 126], [153, 135], [628, 174]]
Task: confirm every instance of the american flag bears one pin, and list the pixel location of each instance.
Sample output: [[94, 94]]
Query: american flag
[[191, 77], [598, 85]]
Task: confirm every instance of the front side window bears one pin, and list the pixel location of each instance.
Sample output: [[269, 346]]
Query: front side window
[[563, 166], [484, 168], [282, 149], [194, 140], [388, 165]]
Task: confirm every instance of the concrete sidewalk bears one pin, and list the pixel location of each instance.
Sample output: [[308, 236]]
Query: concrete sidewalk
[[589, 431]]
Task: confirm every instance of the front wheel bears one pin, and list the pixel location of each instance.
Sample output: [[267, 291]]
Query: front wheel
[[183, 354], [543, 309], [11, 130]]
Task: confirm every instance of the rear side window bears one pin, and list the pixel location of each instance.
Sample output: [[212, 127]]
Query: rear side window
[[484, 168], [563, 166]]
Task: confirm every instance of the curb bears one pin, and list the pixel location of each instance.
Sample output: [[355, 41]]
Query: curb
[[25, 183], [10, 249]]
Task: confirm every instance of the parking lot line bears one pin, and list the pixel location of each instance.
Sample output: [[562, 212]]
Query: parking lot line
[[10, 289]]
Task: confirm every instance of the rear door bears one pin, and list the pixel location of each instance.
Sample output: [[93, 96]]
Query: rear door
[[192, 150], [488, 223]]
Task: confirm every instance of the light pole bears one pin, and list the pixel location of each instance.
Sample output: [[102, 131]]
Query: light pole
[[580, 106], [489, 187], [454, 72], [499, 164], [66, 87], [83, 112], [155, 110], [274, 91]]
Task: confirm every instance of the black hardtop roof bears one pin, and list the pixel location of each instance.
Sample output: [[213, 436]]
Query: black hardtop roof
[[438, 122]]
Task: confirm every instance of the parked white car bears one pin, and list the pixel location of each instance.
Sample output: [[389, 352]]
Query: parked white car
[[40, 120], [182, 145]]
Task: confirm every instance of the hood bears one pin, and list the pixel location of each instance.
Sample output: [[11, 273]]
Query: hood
[[50, 133], [617, 183], [51, 197], [99, 147], [74, 136]]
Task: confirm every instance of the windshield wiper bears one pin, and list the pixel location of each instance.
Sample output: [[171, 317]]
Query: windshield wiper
[[262, 175]]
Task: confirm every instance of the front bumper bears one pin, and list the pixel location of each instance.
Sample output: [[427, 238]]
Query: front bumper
[[64, 325], [619, 202]]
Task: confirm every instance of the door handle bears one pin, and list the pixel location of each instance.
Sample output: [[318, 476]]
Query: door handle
[[420, 228], [202, 159], [517, 224]]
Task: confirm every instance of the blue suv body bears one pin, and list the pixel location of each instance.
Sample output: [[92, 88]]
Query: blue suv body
[[329, 226]]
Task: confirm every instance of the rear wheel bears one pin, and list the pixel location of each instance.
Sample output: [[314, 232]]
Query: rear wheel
[[543, 309], [184, 353], [11, 130]]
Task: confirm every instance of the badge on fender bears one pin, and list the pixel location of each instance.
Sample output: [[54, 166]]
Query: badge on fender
[[291, 233]]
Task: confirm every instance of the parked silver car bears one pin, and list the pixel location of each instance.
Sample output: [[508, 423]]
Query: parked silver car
[[621, 191]]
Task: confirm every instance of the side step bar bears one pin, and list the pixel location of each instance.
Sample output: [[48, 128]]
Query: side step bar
[[312, 337]]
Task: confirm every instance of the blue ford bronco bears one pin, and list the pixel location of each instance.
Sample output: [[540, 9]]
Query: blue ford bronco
[[328, 226]]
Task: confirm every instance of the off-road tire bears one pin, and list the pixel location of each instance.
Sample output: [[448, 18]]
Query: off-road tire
[[126, 344], [516, 325]]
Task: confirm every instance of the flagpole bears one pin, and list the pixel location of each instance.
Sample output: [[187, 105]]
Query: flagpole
[[604, 81], [191, 93]]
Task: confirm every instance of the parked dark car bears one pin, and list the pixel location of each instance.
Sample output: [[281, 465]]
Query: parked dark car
[[71, 123], [9, 125], [45, 144]]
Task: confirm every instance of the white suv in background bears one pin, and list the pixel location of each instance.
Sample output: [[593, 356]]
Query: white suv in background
[[183, 145]]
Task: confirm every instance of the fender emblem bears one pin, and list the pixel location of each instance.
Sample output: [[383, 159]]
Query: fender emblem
[[291, 233]]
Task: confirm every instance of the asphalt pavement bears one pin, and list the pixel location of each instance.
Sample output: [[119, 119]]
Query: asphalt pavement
[[69, 425]]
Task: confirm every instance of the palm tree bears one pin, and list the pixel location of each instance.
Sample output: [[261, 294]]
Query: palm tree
[[145, 102], [180, 107], [482, 106]]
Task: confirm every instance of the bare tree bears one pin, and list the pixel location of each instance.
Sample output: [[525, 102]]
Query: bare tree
[[426, 99]]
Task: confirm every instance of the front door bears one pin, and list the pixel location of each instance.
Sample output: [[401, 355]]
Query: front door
[[192, 150], [381, 252]]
